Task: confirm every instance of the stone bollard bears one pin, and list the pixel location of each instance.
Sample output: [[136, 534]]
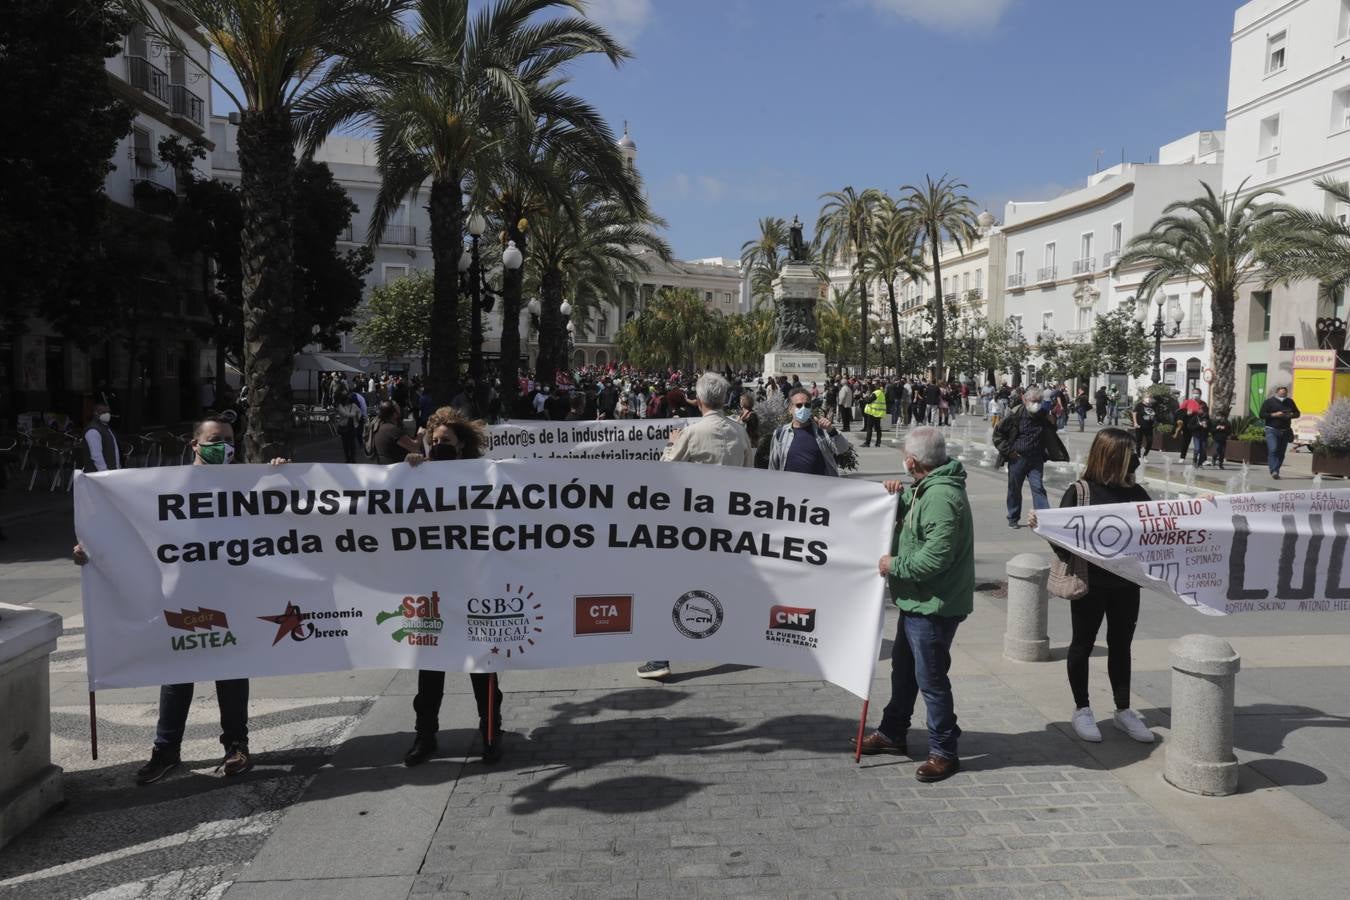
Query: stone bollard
[[29, 783], [1200, 751], [1025, 638]]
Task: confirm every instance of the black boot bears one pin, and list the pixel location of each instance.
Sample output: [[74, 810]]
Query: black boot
[[422, 749]]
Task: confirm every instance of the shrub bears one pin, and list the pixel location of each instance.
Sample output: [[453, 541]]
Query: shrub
[[1333, 434]]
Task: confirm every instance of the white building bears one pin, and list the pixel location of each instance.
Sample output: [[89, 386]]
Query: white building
[[1062, 255], [1288, 124]]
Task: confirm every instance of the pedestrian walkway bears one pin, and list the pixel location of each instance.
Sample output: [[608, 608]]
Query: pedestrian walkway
[[723, 781]]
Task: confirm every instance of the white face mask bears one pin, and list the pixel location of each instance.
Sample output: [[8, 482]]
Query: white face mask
[[105, 418]]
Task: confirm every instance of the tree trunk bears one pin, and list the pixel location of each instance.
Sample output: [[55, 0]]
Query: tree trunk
[[862, 293], [551, 341], [447, 234], [513, 283], [940, 313], [895, 324], [267, 192], [1225, 353]]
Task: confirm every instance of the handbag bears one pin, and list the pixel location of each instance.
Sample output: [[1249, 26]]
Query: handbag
[[1070, 579]]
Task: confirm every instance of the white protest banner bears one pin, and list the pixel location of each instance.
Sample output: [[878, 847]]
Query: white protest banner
[[608, 439], [1282, 551], [206, 572]]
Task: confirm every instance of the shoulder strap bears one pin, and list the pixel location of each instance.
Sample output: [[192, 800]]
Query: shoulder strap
[[1084, 492]]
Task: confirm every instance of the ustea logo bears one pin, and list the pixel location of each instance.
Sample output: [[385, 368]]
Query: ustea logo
[[508, 621], [792, 625], [419, 620], [300, 625], [697, 614], [201, 625], [603, 614]]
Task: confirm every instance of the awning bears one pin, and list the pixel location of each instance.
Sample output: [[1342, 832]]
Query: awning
[[317, 362]]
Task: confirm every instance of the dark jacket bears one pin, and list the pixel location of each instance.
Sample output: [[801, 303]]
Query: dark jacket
[[1274, 405], [1005, 436]]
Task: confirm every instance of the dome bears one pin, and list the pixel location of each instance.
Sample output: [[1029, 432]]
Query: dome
[[626, 142], [986, 219]]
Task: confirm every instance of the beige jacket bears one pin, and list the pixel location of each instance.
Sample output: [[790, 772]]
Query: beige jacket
[[714, 439]]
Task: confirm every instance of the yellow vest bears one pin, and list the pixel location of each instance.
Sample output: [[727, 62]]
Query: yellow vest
[[877, 407]]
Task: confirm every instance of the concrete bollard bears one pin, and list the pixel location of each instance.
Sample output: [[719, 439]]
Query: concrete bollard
[[1025, 638], [1200, 751]]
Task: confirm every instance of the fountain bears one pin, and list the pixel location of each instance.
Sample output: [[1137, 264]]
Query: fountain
[[1233, 484], [1167, 477], [1245, 471], [1317, 482], [1188, 477]]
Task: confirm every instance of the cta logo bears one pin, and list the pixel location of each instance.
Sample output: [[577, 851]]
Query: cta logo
[[603, 614], [205, 627], [697, 614], [509, 621], [792, 625], [300, 624], [419, 620]]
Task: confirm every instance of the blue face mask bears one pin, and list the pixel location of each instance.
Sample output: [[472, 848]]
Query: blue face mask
[[802, 414]]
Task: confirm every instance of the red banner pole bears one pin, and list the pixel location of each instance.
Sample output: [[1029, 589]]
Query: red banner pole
[[862, 725], [492, 704], [93, 728]]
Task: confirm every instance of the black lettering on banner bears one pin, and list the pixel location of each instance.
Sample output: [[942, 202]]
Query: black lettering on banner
[[1285, 589], [1237, 564], [1340, 524]]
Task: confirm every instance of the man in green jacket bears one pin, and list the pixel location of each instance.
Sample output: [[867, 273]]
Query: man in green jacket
[[931, 575]]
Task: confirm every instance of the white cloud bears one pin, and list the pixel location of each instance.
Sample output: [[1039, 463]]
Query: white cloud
[[624, 18], [948, 15]]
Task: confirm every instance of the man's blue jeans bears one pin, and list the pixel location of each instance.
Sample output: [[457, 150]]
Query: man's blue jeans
[[1277, 441], [1199, 443], [174, 700], [1020, 470], [920, 660]]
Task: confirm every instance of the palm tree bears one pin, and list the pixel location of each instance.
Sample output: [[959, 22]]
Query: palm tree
[[587, 257], [1310, 245], [843, 230], [762, 257], [890, 254], [940, 208], [439, 120], [1221, 241], [837, 324], [282, 55]]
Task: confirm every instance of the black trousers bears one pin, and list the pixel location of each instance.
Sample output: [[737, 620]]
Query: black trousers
[[1121, 611], [1143, 441], [846, 414], [430, 690], [871, 424]]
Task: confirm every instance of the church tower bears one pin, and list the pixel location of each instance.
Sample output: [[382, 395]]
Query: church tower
[[628, 149]]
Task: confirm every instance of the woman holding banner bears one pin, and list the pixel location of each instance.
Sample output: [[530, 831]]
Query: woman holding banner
[[1108, 478], [450, 436]]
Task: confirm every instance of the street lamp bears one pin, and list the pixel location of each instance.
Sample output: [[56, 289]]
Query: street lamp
[[1014, 324], [473, 279], [1159, 329], [565, 310]]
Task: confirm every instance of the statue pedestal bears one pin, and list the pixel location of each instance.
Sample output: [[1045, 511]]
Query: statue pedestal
[[29, 783], [805, 364]]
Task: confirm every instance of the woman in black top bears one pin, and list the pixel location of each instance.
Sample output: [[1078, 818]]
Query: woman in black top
[[450, 436], [391, 444], [1109, 477]]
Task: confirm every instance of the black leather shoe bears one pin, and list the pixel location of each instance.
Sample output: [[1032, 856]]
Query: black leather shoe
[[492, 753], [422, 749]]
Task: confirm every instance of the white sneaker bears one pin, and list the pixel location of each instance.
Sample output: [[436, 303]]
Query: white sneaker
[[1085, 725], [1130, 722]]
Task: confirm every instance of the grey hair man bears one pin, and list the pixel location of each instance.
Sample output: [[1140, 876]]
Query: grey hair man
[[714, 439], [1026, 439]]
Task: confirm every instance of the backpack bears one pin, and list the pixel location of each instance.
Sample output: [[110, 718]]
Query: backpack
[[368, 439]]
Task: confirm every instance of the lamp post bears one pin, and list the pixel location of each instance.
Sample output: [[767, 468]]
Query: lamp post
[[474, 280], [1014, 324], [1159, 329], [569, 330]]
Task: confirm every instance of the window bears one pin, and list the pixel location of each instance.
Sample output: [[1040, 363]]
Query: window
[[142, 154], [602, 326], [1015, 324], [946, 286], [1047, 321], [979, 279], [1195, 323], [965, 281], [1275, 53], [707, 297], [1259, 316], [1340, 110], [393, 272], [1085, 318], [1117, 233], [1270, 137], [1085, 247], [1050, 254], [1170, 372], [1343, 30], [1019, 262]]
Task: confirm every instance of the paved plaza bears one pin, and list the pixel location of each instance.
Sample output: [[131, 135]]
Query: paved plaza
[[723, 781]]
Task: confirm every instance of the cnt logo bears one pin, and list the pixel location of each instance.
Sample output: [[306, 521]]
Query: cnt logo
[[603, 614], [419, 620], [793, 625], [205, 627]]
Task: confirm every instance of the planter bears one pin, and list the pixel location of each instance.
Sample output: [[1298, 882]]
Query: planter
[[1331, 465], [1163, 440], [1252, 452]]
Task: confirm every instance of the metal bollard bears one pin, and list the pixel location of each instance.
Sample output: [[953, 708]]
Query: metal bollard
[[1025, 638], [1200, 752]]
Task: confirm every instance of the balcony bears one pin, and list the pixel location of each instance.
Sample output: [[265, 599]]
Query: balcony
[[1046, 273], [949, 298], [1109, 258], [1046, 336], [148, 77], [1017, 281], [149, 197], [399, 234], [187, 105], [1079, 336], [1085, 266], [974, 294]]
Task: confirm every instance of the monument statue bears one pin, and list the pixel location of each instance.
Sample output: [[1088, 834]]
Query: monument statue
[[795, 298]]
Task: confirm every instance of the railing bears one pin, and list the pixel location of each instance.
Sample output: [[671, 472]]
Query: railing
[[399, 234], [1079, 336], [348, 234], [182, 102], [1191, 330], [1085, 266], [974, 294], [1017, 280], [1045, 336], [949, 298], [1046, 273], [150, 197], [1109, 258], [143, 74]]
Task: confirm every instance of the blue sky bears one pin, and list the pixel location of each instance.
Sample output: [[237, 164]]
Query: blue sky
[[748, 108]]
